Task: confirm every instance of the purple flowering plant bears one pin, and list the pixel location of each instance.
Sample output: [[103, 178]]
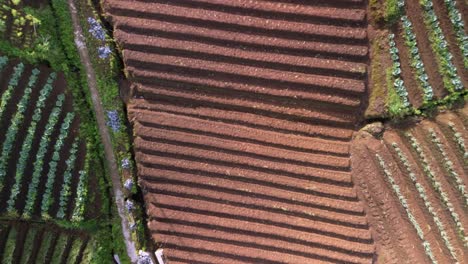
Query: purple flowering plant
[[113, 120]]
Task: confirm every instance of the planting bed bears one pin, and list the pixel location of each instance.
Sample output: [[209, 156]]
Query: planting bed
[[429, 57], [428, 164], [40, 243], [16, 25], [42, 157], [243, 114]]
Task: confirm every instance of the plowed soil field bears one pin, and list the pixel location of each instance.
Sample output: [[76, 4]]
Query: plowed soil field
[[243, 113], [428, 163]]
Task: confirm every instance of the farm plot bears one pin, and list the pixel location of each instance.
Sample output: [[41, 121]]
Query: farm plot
[[16, 25], [428, 50], [40, 243], [423, 168], [42, 159], [243, 112]]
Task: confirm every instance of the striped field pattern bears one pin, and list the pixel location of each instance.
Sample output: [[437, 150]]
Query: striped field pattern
[[243, 112]]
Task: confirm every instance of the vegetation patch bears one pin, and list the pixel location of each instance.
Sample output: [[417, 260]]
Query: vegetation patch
[[52, 157]]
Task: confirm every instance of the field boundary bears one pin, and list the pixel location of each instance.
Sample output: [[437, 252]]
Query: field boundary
[[104, 133]]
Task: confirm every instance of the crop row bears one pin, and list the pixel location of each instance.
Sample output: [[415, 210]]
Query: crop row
[[59, 249], [14, 80], [20, 23], [25, 244], [3, 62], [460, 140], [404, 203], [422, 194], [15, 124], [440, 47], [52, 174], [437, 185], [416, 61], [81, 194], [448, 164], [46, 242], [396, 72], [39, 162], [28, 245], [27, 143], [459, 28], [9, 250], [65, 191], [75, 251]]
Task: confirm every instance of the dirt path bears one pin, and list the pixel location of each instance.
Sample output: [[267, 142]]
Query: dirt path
[[103, 131]]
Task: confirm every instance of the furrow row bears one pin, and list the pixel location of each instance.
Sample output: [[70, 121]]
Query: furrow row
[[226, 191], [205, 143], [325, 196], [217, 53], [242, 40], [222, 158], [268, 9], [249, 216], [181, 84], [249, 119], [215, 19], [238, 73], [218, 129]]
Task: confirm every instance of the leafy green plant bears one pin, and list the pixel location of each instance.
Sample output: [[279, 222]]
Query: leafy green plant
[[398, 83], [81, 194], [458, 26], [59, 249], [51, 175], [448, 165], [75, 251], [46, 242], [404, 204], [393, 11], [12, 84], [39, 162], [394, 103], [27, 143], [440, 47], [3, 62], [65, 191], [28, 245], [423, 195], [460, 140], [416, 60], [8, 252], [437, 186], [14, 126]]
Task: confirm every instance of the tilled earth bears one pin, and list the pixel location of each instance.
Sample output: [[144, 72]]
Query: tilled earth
[[428, 162], [243, 114]]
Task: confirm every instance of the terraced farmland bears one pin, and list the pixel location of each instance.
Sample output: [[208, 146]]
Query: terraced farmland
[[39, 243], [423, 168], [43, 171], [243, 112]]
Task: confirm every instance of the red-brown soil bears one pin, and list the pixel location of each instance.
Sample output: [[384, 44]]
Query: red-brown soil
[[415, 15], [243, 114], [415, 92], [450, 35], [390, 225]]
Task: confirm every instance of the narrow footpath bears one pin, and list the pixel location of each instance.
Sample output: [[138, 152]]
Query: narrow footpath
[[104, 132]]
